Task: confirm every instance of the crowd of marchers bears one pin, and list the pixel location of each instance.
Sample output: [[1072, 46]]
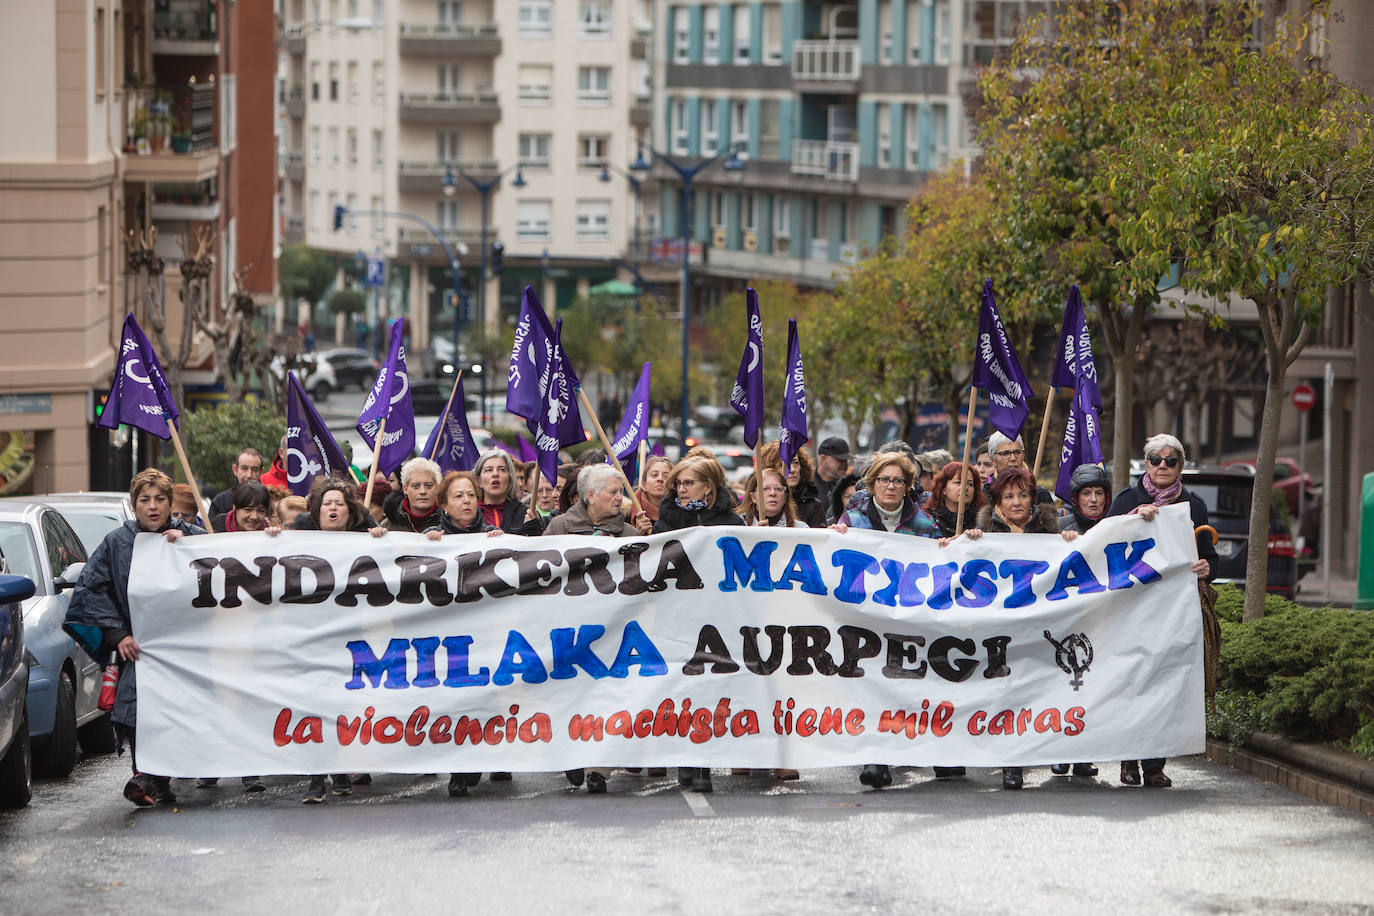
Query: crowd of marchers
[[892, 490]]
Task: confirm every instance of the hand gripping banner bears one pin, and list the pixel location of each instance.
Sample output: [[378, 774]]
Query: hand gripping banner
[[318, 652]]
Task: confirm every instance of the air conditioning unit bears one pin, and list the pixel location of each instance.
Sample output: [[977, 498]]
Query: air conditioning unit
[[719, 239], [751, 241]]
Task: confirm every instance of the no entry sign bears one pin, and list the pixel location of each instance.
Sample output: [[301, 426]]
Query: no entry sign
[[1304, 396]]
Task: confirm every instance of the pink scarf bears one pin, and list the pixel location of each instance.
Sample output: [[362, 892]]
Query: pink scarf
[[1162, 497]]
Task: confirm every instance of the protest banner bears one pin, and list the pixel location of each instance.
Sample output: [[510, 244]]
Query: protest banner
[[335, 652]]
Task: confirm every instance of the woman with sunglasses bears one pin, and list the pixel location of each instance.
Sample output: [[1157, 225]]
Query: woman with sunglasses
[[1162, 485]]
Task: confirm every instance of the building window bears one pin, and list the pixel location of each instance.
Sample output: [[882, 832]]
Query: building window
[[378, 84], [885, 32], [351, 145], [448, 77], [534, 150], [739, 127], [352, 205], [913, 137], [748, 212], [942, 32], [770, 129], [940, 140], [679, 126], [447, 142], [592, 150], [446, 213], [742, 36], [314, 209], [378, 150], [353, 82], [593, 220], [314, 81], [710, 128], [534, 84], [376, 220], [644, 76], [100, 78], [333, 81], [884, 135], [333, 146], [445, 16], [772, 33], [682, 36], [535, 19], [314, 146], [717, 209], [710, 35], [594, 85], [229, 113], [333, 204], [594, 19], [782, 218], [532, 219]]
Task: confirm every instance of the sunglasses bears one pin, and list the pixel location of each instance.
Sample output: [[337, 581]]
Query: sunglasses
[[1171, 462]]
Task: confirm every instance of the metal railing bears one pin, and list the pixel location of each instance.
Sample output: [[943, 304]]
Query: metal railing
[[456, 30], [436, 168], [180, 118], [448, 99], [826, 158], [822, 61], [187, 22], [416, 235]]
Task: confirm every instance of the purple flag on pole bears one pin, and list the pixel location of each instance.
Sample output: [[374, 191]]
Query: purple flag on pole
[[634, 426], [390, 400], [1074, 359], [1082, 438], [792, 435], [529, 358], [139, 395], [311, 451], [747, 395], [450, 444], [997, 371], [526, 451], [657, 450], [558, 422]]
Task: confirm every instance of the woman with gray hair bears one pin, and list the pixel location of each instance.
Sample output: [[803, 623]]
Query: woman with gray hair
[[1162, 485], [496, 496], [415, 506]]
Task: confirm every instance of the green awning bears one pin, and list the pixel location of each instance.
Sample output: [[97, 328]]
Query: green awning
[[614, 288]]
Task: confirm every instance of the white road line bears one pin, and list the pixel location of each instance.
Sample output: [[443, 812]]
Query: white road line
[[74, 823], [698, 803]]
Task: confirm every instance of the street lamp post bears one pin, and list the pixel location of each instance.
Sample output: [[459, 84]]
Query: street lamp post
[[484, 189], [635, 185], [687, 174]]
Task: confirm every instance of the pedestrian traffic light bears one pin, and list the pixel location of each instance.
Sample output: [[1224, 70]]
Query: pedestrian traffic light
[[339, 212], [497, 251]]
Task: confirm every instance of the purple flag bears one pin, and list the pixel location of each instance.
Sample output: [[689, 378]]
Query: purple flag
[[508, 449], [657, 450], [558, 422], [747, 395], [450, 444], [526, 450], [390, 400], [311, 451], [139, 395], [634, 426], [997, 371], [1082, 438], [792, 436], [1075, 356], [529, 358]]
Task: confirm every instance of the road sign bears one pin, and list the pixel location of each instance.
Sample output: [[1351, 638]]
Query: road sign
[[376, 272], [1304, 397]]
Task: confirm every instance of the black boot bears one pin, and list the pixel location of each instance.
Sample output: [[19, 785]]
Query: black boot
[[457, 785], [1060, 769], [596, 784], [314, 795], [500, 777], [574, 777], [685, 775], [701, 782], [1084, 769], [876, 775], [342, 784], [946, 772], [1011, 777]]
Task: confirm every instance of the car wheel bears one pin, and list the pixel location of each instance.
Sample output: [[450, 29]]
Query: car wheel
[[320, 392], [57, 757], [16, 770], [97, 736]]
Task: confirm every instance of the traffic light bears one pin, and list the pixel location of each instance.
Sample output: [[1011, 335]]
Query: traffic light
[[339, 212], [497, 251]]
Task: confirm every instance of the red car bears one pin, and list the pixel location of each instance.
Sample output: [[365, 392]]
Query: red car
[[1288, 478]]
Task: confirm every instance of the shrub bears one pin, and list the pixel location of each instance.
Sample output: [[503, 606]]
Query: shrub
[[1233, 716], [214, 439]]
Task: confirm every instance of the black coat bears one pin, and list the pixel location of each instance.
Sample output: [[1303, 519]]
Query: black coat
[[396, 519], [303, 522], [945, 518], [1077, 521], [811, 507], [1131, 497], [672, 517], [449, 526], [1043, 520]]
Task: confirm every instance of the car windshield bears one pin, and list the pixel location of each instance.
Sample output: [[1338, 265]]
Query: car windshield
[[16, 542], [1224, 498], [91, 525]]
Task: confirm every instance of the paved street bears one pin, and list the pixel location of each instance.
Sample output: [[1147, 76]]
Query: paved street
[[1219, 842]]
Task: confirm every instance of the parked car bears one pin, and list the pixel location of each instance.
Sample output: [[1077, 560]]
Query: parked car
[[64, 682], [429, 397], [92, 515], [1289, 480], [16, 761], [352, 367], [315, 373], [1226, 492]]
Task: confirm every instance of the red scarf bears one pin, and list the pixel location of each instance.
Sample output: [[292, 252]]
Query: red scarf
[[492, 514], [418, 522], [231, 521]]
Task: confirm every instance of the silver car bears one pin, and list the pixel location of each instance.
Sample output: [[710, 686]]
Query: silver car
[[64, 682], [92, 515]]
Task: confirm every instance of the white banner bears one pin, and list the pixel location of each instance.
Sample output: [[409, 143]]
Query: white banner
[[319, 652]]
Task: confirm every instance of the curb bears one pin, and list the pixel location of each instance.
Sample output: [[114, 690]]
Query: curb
[[1315, 771]]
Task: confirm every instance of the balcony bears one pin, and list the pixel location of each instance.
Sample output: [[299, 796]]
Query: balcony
[[641, 114], [187, 28], [421, 241], [449, 39], [425, 175], [827, 159], [450, 108], [295, 103], [295, 39], [826, 66], [170, 133], [295, 230], [185, 202], [295, 166]]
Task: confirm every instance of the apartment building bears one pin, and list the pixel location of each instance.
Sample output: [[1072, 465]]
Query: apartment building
[[122, 115], [839, 110], [385, 99]]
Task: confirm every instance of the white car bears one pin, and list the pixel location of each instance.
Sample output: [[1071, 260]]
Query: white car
[[315, 373]]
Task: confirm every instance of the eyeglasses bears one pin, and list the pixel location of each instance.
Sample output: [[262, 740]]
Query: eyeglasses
[[1172, 461], [1011, 453], [890, 481], [684, 482]]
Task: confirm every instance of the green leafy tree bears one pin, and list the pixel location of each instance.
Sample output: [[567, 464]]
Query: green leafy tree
[[214, 438], [347, 302], [304, 273], [1278, 157]]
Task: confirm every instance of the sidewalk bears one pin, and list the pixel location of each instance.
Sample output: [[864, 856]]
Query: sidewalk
[[1313, 593]]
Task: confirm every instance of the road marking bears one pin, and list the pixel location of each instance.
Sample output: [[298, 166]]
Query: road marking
[[74, 823], [698, 803]]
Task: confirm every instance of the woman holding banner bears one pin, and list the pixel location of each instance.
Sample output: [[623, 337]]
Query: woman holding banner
[[1013, 510], [416, 507], [98, 617], [776, 507], [696, 495], [801, 475], [496, 493], [943, 502], [1162, 485]]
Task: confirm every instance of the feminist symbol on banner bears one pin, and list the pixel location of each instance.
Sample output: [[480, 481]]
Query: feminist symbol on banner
[[1074, 654]]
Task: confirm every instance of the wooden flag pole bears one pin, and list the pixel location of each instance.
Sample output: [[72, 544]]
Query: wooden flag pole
[[963, 468], [376, 454], [610, 452], [186, 469], [1044, 431], [434, 451]]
